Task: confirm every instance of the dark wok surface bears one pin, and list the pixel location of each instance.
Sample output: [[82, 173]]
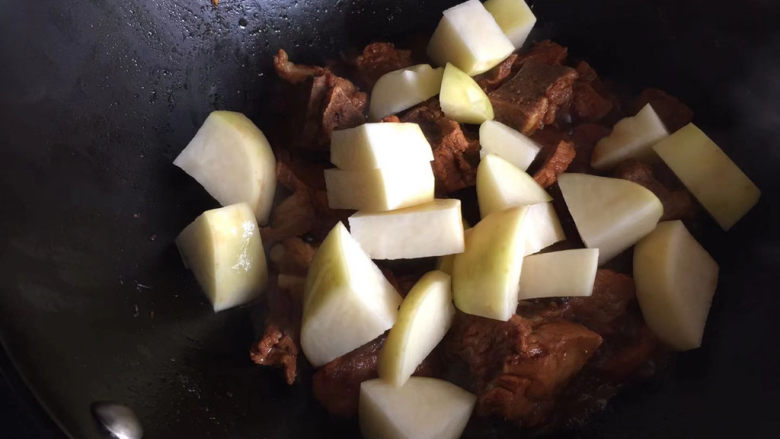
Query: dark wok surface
[[99, 96]]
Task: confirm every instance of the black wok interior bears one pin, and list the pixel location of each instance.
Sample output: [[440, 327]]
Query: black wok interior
[[98, 96]]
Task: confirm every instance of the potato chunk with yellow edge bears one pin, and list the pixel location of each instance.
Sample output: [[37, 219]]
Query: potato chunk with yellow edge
[[462, 99]]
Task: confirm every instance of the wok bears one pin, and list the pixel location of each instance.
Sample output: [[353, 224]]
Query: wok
[[99, 96]]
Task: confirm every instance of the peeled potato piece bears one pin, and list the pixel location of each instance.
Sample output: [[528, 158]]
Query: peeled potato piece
[[611, 214], [514, 17], [507, 143], [423, 408], [379, 145], [424, 318], [675, 281], [347, 301], [559, 274], [469, 37], [711, 176], [462, 99], [430, 229], [501, 185], [543, 226], [231, 158], [485, 277], [631, 138], [223, 249], [379, 190], [401, 89]]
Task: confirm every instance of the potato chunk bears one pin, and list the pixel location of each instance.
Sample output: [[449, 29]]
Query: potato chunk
[[424, 318], [223, 249], [462, 99], [430, 229], [231, 158], [611, 214], [559, 274], [380, 190], [675, 281], [716, 181], [423, 408], [501, 185], [401, 89], [347, 301], [379, 146], [469, 37], [631, 138], [507, 143], [514, 17]]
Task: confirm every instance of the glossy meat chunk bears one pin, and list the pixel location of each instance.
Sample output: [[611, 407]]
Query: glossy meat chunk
[[532, 98], [520, 366], [378, 59]]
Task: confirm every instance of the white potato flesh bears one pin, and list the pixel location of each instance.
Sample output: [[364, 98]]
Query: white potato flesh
[[611, 214], [379, 190], [559, 274], [430, 229], [469, 37], [507, 143], [401, 89], [444, 263], [501, 185], [514, 17], [379, 145], [544, 228], [231, 158], [423, 408], [462, 99], [711, 176], [424, 318], [631, 138], [675, 282], [347, 301], [486, 276], [224, 250]]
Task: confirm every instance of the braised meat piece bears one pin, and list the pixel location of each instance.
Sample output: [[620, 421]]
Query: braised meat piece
[[332, 103], [277, 349], [532, 97], [600, 312], [673, 113], [496, 76], [678, 204], [520, 366], [306, 209], [545, 52], [292, 256], [585, 137], [378, 59], [337, 384], [294, 73], [455, 155], [592, 100], [554, 161]]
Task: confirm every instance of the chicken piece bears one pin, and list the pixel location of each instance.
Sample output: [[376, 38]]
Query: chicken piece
[[585, 136], [276, 349], [378, 59], [622, 356], [554, 161], [337, 384], [294, 73], [678, 204], [520, 366], [672, 112], [601, 311], [532, 98], [455, 156]]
